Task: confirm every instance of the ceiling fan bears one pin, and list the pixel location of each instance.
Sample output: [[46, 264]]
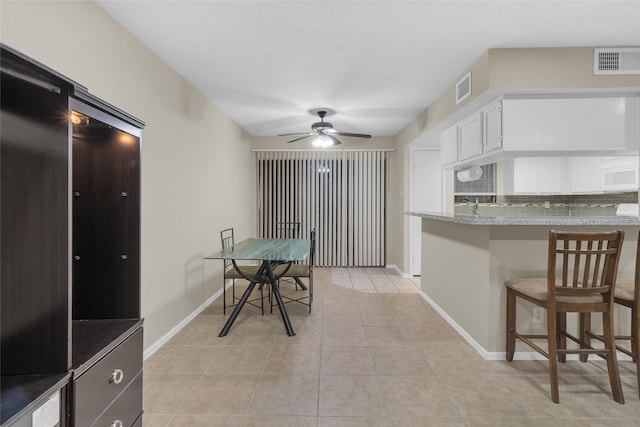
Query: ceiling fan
[[323, 132]]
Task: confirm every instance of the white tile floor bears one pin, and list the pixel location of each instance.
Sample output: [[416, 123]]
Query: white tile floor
[[371, 353]]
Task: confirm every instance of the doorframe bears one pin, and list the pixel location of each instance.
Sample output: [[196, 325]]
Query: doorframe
[[415, 223]]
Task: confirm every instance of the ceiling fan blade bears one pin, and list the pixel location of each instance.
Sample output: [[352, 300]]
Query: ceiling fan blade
[[295, 133], [354, 135], [335, 140], [302, 137]]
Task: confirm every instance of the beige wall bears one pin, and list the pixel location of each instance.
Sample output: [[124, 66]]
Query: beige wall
[[551, 68], [195, 160]]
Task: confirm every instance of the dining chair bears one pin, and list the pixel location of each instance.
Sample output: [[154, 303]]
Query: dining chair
[[230, 273], [627, 294], [288, 229], [298, 272], [581, 278]]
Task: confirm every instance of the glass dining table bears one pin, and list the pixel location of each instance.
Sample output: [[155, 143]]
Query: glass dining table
[[271, 253]]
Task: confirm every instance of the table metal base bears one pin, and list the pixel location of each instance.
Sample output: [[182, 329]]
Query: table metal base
[[273, 281]]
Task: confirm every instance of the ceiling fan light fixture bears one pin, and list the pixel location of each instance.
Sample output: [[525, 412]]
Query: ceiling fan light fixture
[[322, 141], [323, 132]]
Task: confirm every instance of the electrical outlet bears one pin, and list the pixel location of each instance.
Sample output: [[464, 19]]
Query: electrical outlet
[[547, 204], [538, 314]]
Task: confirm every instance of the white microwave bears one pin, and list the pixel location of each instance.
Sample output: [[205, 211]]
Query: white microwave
[[620, 174]]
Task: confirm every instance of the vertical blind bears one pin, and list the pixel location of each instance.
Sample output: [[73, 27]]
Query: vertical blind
[[339, 193]]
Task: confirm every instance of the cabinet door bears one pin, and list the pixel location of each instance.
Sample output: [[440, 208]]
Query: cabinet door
[[583, 175], [538, 175], [550, 175], [449, 145], [525, 175], [34, 140], [493, 127], [567, 124], [471, 136]]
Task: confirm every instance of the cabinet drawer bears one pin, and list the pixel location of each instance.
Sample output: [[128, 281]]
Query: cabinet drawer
[[94, 390], [126, 409]]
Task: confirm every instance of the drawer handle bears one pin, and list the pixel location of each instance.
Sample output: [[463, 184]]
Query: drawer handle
[[117, 423], [116, 377]]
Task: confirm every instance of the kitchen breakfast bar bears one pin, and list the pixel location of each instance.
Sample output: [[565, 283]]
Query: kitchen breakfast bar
[[466, 260]]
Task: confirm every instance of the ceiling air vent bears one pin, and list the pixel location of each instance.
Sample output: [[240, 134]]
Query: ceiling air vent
[[616, 61], [463, 88]]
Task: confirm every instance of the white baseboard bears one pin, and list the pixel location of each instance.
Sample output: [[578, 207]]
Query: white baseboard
[[501, 355], [395, 267], [166, 337], [455, 326]]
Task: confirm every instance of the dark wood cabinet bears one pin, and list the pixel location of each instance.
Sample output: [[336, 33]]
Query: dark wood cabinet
[[34, 229], [70, 252], [106, 212]]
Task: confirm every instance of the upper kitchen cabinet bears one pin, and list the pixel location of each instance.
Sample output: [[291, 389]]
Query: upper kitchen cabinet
[[449, 145], [543, 127], [537, 175], [470, 136], [570, 175], [570, 124], [584, 175], [492, 127]]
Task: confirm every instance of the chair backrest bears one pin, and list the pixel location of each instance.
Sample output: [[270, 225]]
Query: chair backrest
[[636, 281], [583, 263], [227, 240], [312, 251], [287, 230]]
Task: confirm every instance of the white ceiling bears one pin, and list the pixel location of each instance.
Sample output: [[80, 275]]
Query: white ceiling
[[377, 63]]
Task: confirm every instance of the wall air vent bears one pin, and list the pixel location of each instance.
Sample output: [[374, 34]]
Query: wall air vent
[[616, 61], [463, 88]]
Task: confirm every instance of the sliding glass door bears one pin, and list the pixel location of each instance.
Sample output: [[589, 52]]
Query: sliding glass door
[[339, 193]]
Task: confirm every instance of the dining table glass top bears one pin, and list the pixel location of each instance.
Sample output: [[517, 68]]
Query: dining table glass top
[[266, 250]]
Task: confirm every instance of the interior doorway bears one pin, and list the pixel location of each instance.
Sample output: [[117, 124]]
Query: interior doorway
[[426, 195]]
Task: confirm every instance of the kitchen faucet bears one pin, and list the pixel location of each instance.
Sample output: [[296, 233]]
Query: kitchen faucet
[[475, 210]]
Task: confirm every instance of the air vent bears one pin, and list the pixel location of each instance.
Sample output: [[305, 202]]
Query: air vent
[[463, 88], [616, 61]]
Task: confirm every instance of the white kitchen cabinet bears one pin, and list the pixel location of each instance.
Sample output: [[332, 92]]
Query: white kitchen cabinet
[[492, 127], [545, 127], [449, 145], [470, 136], [570, 124], [570, 175], [525, 175], [538, 175], [583, 175], [550, 175]]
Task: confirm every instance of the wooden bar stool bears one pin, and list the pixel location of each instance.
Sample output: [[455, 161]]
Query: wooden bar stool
[[581, 277], [627, 294]]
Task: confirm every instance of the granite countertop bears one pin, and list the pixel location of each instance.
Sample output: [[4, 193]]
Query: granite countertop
[[533, 220]]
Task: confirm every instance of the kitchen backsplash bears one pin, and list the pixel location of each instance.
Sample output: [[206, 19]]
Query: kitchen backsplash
[[486, 183], [558, 205]]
